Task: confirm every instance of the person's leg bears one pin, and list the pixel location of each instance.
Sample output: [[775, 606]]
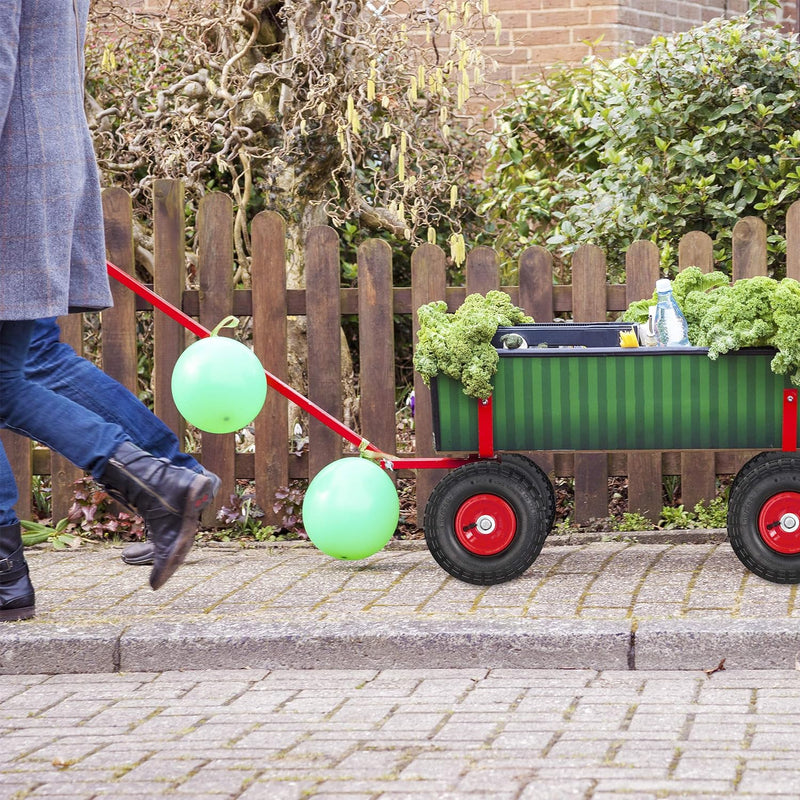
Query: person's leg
[[169, 498], [17, 598], [57, 367]]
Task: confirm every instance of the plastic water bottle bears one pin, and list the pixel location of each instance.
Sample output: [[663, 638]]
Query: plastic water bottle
[[671, 327]]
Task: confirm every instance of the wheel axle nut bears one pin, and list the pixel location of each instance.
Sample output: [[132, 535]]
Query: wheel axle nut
[[486, 524]]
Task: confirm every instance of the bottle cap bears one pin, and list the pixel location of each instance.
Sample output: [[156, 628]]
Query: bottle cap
[[663, 285]]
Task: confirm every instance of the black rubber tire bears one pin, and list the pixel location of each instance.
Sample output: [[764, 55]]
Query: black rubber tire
[[540, 480], [752, 464], [763, 477], [513, 485]]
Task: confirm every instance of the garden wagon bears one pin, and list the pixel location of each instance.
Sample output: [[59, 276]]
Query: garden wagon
[[570, 387]]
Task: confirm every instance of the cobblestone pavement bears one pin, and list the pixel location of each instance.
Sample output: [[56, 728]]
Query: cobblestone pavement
[[600, 605], [392, 734]]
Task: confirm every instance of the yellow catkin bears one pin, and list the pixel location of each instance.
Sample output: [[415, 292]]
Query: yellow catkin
[[412, 89], [453, 196], [321, 109], [387, 130], [458, 251], [403, 142], [431, 235], [401, 167], [109, 63], [421, 75]]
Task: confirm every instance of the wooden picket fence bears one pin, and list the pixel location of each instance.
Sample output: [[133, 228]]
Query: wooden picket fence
[[588, 299]]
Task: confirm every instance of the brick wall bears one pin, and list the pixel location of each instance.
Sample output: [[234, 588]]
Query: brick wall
[[541, 32]]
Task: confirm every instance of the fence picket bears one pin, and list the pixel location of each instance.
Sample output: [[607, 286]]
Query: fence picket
[[119, 325], [215, 277], [376, 344], [268, 277], [749, 248], [696, 249], [589, 305], [323, 314], [169, 281], [793, 241], [482, 272], [644, 467], [428, 283], [19, 451], [536, 284], [698, 478]]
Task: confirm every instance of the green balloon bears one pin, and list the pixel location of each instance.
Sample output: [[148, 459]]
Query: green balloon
[[219, 385], [351, 509]]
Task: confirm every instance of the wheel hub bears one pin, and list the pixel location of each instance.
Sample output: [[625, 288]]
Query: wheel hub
[[485, 524], [779, 523]]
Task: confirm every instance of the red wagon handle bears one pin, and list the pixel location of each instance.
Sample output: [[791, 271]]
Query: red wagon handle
[[387, 460]]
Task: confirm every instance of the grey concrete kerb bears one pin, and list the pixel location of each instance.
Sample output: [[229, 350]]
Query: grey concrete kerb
[[638, 603]]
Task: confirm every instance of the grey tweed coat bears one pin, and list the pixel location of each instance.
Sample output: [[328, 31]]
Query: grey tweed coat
[[52, 248]]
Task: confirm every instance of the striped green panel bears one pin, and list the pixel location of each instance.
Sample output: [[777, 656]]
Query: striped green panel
[[636, 399]]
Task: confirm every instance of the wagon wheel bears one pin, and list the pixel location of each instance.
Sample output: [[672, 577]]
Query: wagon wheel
[[764, 516], [485, 522], [540, 480]]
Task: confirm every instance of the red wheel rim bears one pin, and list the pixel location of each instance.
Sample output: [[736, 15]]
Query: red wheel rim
[[485, 524], [779, 523]]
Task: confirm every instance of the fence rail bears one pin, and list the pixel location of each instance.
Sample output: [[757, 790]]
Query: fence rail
[[588, 299]]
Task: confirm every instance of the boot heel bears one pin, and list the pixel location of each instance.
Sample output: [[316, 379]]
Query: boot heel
[[16, 614], [17, 597]]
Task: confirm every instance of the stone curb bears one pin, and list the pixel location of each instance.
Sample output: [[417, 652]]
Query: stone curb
[[530, 644]]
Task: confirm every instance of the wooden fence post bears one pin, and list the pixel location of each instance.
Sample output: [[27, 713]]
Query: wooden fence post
[[169, 279], [19, 451], [63, 473], [482, 272], [268, 277], [793, 241], [536, 300], [215, 276], [323, 315], [376, 344], [749, 248], [589, 305], [696, 249], [644, 467], [428, 283], [698, 475], [119, 322]]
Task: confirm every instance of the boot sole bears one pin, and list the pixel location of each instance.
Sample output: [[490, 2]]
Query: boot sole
[[199, 496], [137, 561], [16, 614]]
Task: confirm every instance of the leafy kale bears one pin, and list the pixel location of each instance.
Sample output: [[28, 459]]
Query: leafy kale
[[724, 316], [459, 344]]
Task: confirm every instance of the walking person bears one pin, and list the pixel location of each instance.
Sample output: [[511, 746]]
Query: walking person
[[52, 262], [56, 366]]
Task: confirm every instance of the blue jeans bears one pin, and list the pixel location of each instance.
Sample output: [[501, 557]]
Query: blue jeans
[[54, 367]]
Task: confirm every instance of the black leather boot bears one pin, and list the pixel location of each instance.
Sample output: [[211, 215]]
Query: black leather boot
[[17, 598], [168, 498], [143, 553]]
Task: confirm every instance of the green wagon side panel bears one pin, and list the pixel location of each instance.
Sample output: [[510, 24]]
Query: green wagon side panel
[[637, 399]]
